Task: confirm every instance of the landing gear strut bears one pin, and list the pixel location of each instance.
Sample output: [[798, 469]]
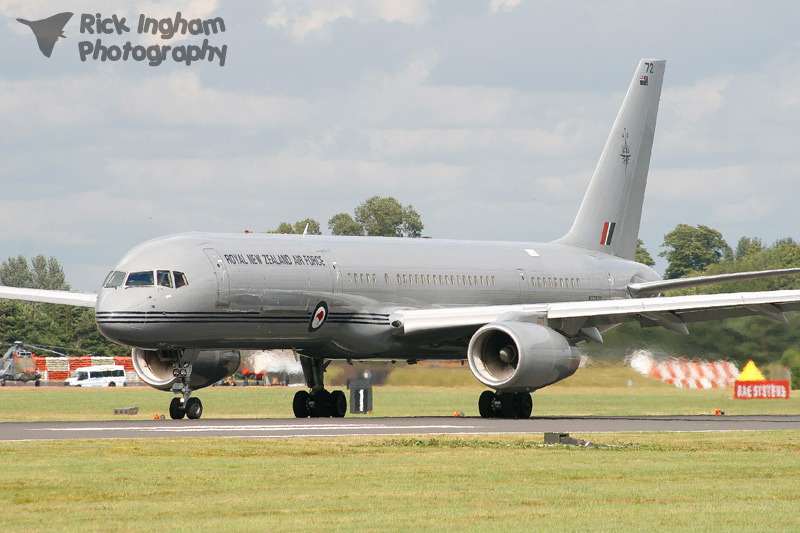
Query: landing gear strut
[[319, 402], [505, 404], [185, 404]]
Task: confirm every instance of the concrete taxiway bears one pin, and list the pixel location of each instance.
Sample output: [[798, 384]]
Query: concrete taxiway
[[326, 427]]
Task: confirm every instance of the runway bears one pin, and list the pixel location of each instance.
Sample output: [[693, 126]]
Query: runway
[[326, 427]]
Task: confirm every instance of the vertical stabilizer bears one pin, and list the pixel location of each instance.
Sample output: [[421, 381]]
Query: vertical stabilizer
[[609, 216]]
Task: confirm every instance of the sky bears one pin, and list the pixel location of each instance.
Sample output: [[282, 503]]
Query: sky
[[487, 116]]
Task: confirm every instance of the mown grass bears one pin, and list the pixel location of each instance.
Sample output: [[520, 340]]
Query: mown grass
[[598, 390], [698, 482]]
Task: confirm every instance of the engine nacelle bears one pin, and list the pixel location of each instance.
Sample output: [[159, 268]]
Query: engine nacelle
[[208, 366], [520, 357]]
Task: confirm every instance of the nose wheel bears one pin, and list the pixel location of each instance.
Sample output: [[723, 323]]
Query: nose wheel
[[185, 404]]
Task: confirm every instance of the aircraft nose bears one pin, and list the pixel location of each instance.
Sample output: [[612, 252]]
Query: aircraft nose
[[118, 316]]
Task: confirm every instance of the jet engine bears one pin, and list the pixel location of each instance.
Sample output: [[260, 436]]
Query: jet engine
[[520, 356], [155, 367]]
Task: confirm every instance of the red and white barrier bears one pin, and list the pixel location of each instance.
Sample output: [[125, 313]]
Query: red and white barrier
[[695, 374], [59, 368]]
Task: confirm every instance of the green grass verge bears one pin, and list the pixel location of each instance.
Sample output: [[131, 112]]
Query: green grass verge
[[699, 482], [598, 390]]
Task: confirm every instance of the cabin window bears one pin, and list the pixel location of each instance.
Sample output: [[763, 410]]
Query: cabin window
[[579, 282], [180, 279], [493, 281], [386, 278], [349, 278], [405, 279], [140, 279], [114, 279], [163, 278], [429, 278]]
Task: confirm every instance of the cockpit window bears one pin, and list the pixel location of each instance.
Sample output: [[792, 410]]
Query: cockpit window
[[114, 279], [140, 279], [180, 279], [164, 279]]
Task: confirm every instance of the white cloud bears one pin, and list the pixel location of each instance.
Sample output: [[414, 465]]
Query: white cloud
[[179, 99], [302, 18], [505, 6]]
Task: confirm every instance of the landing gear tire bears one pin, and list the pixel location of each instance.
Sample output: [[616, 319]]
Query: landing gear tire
[[36, 383], [509, 405], [322, 404], [338, 404], [112, 384], [194, 408], [525, 404], [300, 404], [512, 405], [486, 404], [176, 410]]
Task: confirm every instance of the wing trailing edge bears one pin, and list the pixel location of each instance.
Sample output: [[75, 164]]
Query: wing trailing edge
[[78, 299], [648, 288]]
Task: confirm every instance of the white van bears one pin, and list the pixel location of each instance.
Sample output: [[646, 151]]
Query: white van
[[97, 376]]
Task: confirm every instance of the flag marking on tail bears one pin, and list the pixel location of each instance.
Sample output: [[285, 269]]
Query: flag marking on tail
[[608, 233]]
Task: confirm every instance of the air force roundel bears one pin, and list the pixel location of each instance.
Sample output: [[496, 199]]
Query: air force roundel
[[319, 317]]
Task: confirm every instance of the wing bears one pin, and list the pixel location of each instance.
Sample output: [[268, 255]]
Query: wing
[[46, 44], [586, 319], [79, 299], [653, 287]]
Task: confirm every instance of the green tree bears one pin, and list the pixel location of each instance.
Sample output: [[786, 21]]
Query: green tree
[[43, 273], [386, 217], [791, 359], [642, 255], [299, 227], [71, 329], [689, 250], [747, 246], [343, 224]]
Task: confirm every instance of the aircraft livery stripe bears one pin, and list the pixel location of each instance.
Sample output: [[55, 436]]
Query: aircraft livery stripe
[[144, 317], [605, 232]]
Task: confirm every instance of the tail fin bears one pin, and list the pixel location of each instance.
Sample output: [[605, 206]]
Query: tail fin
[[609, 216]]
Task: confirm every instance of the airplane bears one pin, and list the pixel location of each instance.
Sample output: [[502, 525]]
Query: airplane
[[48, 31], [516, 311]]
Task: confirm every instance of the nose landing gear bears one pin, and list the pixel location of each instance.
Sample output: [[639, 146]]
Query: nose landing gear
[[185, 404]]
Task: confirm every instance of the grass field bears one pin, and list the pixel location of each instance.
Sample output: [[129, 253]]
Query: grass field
[[733, 481], [697, 482]]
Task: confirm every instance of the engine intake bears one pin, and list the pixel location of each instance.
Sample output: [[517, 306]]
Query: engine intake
[[520, 357], [155, 367]]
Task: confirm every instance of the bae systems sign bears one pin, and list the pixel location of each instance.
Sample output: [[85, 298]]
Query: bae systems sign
[[103, 33]]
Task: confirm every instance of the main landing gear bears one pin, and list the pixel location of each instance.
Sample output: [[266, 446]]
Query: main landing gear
[[505, 404], [319, 402], [185, 404]]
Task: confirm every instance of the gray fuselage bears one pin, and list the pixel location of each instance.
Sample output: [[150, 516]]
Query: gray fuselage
[[259, 291]]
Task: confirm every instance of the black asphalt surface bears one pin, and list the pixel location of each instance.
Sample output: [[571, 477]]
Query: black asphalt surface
[[326, 427]]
